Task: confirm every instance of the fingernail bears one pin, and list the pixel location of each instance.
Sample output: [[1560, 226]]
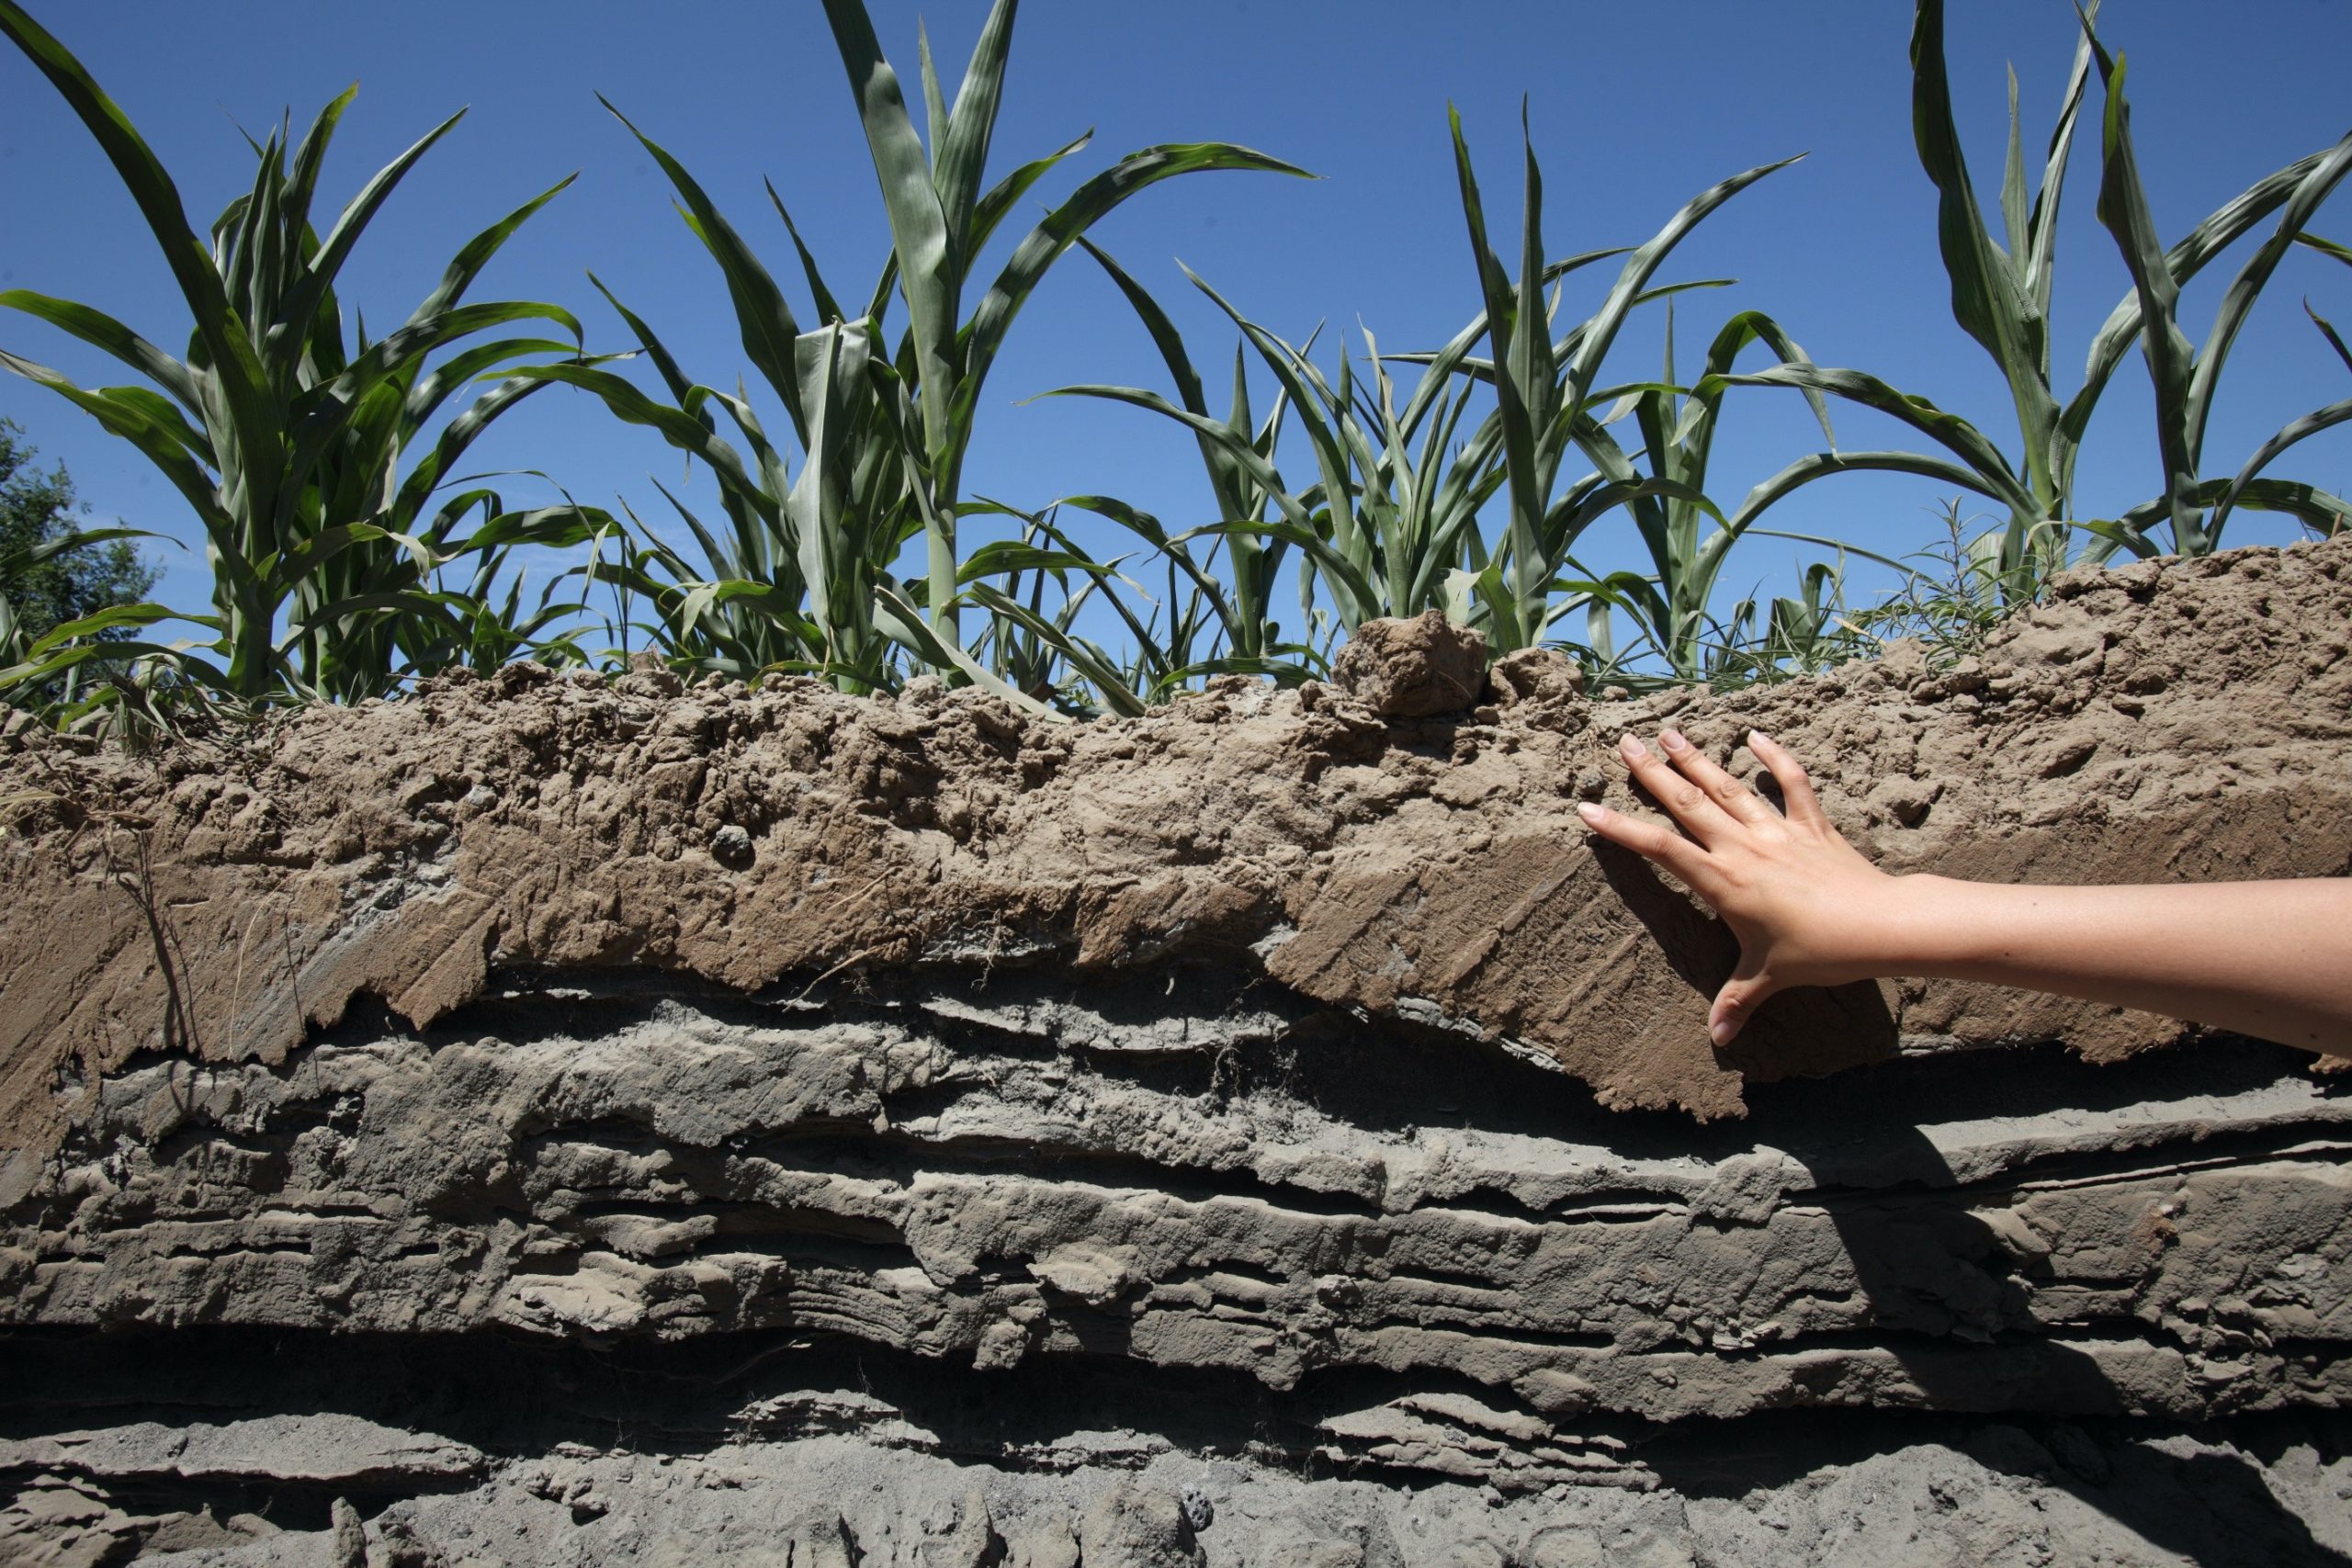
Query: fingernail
[[1590, 812], [1755, 735], [1630, 744], [1672, 741], [1720, 1034]]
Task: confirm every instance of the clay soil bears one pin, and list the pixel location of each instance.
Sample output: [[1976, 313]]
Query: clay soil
[[225, 897]]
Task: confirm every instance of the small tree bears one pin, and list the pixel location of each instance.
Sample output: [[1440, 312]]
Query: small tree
[[38, 509]]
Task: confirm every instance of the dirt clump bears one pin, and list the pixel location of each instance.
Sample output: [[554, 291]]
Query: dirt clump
[[1534, 675], [1413, 668]]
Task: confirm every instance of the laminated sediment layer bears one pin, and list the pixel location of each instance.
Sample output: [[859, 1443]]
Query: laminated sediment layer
[[1289, 1198], [846, 1480], [939, 1278]]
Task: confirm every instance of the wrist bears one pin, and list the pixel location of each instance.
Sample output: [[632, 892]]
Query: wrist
[[1920, 926]]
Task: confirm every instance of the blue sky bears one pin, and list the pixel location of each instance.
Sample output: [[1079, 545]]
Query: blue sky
[[1633, 109]]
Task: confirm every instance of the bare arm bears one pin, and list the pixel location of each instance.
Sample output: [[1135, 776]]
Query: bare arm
[[2269, 959]]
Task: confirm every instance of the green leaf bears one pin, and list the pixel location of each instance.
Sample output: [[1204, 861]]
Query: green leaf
[[1097, 670], [1237, 445], [2237, 302], [1359, 601], [1061, 228], [675, 378], [918, 234], [2037, 264], [102, 331], [903, 623], [2297, 430], [762, 317], [1147, 527], [1820, 465], [475, 255], [162, 444], [1001, 196], [302, 303], [228, 347], [677, 425], [303, 179], [1989, 300], [2217, 233], [2123, 208], [1989, 471], [828, 307], [2327, 330], [1643, 264], [1516, 420], [962, 157]]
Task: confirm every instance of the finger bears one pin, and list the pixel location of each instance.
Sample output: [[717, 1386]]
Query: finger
[[1738, 1001], [1652, 842], [1684, 801], [1736, 799], [1797, 789]]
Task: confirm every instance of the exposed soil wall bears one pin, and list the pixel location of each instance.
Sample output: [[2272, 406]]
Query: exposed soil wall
[[2148, 724], [640, 1120]]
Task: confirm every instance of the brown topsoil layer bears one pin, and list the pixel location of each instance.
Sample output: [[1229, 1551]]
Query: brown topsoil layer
[[223, 897]]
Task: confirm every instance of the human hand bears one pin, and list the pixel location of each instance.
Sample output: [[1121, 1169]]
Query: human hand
[[1807, 909]]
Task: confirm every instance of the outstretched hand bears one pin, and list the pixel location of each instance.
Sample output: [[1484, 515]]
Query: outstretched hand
[[1803, 901], [2268, 960]]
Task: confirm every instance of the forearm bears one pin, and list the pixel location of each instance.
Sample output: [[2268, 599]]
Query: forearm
[[2272, 960]]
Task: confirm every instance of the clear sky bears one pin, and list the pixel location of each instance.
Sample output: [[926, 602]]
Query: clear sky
[[1634, 109]]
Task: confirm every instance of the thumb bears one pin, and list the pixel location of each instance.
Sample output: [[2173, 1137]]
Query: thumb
[[1738, 1001]]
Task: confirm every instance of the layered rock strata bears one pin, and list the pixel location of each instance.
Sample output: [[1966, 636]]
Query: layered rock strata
[[586, 1120]]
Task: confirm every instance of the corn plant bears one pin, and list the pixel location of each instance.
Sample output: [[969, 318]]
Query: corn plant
[[1801, 634], [44, 666], [715, 617], [1544, 396], [285, 443], [483, 621], [1669, 606], [1378, 531], [2184, 377], [889, 454], [1237, 455], [1389, 526], [1391, 515], [1189, 642], [748, 606], [2000, 296], [1032, 641], [90, 672], [1023, 648]]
